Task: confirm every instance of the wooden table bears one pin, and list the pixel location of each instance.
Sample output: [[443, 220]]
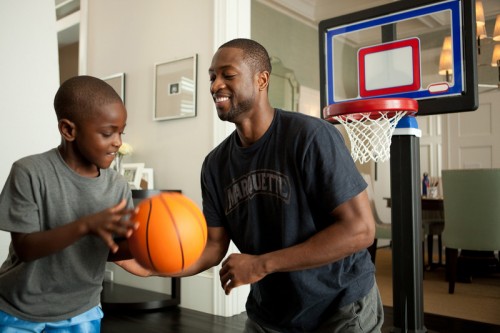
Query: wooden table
[[433, 224], [428, 204]]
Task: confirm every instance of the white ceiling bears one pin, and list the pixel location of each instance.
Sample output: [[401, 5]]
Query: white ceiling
[[311, 12], [314, 11]]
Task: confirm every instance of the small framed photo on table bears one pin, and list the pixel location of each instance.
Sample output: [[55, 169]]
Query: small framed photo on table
[[147, 182], [133, 174]]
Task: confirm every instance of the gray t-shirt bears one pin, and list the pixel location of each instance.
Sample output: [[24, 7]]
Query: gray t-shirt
[[43, 193]]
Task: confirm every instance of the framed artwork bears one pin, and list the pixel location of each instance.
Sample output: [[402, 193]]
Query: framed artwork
[[117, 81], [148, 179], [133, 174], [175, 89]]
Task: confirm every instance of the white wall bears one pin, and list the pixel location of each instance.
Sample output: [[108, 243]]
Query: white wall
[[28, 82], [132, 36]]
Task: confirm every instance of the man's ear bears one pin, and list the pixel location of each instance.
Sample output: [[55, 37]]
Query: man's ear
[[263, 80], [67, 129]]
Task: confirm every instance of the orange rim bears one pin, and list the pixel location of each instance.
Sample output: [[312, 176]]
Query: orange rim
[[371, 106]]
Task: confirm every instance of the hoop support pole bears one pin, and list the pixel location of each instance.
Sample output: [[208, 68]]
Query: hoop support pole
[[406, 228]]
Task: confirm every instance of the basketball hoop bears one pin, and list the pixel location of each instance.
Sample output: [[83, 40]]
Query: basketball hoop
[[370, 124]]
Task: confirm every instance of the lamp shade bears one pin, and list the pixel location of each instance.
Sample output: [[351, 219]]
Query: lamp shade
[[479, 13], [496, 32], [481, 31], [496, 56], [446, 60]]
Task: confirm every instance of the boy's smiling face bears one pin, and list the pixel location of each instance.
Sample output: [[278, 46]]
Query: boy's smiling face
[[98, 137]]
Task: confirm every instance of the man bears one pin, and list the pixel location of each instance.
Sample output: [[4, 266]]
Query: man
[[285, 190]]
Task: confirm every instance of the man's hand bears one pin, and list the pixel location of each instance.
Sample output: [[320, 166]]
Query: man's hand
[[240, 269]]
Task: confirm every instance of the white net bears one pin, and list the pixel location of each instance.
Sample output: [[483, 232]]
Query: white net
[[370, 136]]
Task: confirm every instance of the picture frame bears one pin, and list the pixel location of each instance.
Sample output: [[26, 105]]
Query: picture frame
[[148, 178], [133, 174], [174, 89], [117, 81]]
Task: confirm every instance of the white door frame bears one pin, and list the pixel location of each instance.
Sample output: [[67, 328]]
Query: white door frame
[[231, 20]]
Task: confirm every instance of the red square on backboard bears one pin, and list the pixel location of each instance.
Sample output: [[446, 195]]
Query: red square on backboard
[[389, 68]]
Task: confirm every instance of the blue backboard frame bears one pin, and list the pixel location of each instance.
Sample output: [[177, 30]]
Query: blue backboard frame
[[462, 95]]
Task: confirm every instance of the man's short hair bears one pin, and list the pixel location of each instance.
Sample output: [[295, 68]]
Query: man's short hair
[[254, 53]]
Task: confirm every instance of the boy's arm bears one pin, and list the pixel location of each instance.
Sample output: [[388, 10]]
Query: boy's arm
[[105, 224]]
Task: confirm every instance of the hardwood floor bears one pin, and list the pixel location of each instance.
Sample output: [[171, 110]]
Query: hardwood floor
[[179, 320], [172, 320]]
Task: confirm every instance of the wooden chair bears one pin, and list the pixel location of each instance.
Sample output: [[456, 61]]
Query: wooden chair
[[472, 215]]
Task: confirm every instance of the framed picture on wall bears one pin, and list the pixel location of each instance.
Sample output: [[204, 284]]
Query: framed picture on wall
[[147, 179], [133, 174], [175, 89], [117, 81]]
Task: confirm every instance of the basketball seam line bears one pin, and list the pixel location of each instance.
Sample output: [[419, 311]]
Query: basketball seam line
[[174, 222], [147, 234]]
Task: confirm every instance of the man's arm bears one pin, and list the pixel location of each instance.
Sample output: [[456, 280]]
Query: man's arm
[[214, 252], [353, 231]]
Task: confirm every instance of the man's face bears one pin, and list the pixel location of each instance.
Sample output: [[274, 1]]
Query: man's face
[[233, 84]]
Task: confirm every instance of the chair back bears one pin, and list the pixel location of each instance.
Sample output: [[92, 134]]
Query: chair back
[[472, 209]]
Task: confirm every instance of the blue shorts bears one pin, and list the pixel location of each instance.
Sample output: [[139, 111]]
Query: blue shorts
[[87, 322]]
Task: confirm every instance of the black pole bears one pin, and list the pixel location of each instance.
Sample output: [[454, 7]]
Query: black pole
[[407, 259]]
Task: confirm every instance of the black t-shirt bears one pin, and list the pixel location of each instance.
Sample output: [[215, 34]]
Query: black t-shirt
[[277, 193]]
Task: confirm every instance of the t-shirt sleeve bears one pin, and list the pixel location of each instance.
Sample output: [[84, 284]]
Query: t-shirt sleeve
[[330, 174], [211, 201], [19, 211]]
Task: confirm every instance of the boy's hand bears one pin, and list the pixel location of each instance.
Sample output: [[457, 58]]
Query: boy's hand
[[112, 222]]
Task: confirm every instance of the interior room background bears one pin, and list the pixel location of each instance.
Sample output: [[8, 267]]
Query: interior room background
[[130, 37]]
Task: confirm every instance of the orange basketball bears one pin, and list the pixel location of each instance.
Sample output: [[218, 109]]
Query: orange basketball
[[172, 233]]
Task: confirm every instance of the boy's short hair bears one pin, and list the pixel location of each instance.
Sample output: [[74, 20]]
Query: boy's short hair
[[254, 53], [80, 96]]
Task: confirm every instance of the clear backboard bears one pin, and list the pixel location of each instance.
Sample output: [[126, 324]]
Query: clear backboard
[[419, 49]]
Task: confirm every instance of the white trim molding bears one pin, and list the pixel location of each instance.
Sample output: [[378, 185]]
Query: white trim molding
[[231, 20]]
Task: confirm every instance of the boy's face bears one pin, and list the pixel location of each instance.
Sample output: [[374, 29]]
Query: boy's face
[[98, 138]]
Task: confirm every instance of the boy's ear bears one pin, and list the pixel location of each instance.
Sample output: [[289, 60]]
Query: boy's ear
[[67, 129]]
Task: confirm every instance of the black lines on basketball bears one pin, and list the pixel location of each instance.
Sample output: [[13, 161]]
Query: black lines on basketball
[[148, 220], [172, 233], [200, 222], [174, 223]]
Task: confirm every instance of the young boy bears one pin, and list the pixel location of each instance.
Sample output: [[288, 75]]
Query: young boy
[[64, 209]]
